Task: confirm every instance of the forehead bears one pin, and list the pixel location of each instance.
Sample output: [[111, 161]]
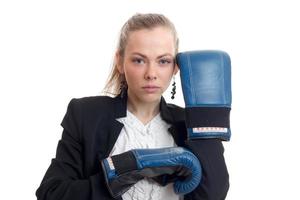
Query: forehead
[[159, 40]]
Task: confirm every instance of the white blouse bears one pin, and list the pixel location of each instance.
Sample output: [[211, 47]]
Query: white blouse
[[152, 135]]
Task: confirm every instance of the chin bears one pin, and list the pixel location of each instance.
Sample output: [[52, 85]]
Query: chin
[[152, 97]]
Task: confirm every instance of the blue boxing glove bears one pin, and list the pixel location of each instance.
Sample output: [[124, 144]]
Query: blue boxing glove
[[124, 170], [206, 85]]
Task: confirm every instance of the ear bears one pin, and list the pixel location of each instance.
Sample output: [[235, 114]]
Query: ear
[[176, 69], [119, 63]]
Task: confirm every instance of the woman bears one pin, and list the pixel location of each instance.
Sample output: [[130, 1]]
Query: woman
[[137, 117]]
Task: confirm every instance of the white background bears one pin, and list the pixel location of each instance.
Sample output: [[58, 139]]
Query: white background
[[52, 51]]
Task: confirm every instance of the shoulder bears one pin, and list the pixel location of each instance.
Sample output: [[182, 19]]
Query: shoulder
[[172, 112], [175, 109], [93, 101], [91, 106]]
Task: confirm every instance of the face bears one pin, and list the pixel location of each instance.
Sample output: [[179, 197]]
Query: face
[[148, 63]]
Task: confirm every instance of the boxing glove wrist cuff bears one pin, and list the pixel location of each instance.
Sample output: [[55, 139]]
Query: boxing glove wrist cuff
[[208, 122], [124, 162], [207, 116], [115, 169], [119, 164]]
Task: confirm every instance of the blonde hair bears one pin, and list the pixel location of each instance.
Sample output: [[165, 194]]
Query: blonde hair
[[137, 22]]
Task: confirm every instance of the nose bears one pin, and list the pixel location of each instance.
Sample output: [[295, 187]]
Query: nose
[[150, 73]]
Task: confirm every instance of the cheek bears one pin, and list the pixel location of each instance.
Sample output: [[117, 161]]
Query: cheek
[[132, 75], [168, 74], [166, 79]]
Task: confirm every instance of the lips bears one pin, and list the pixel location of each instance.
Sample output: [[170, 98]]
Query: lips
[[151, 88]]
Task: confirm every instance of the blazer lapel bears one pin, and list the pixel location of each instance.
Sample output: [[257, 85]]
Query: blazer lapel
[[175, 116], [114, 126]]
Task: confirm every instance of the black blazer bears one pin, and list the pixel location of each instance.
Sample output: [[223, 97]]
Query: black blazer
[[89, 134]]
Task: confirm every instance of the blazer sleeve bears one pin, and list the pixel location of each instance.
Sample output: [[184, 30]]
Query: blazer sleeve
[[214, 184], [64, 179]]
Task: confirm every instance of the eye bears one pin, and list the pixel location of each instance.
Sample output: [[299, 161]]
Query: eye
[[138, 60], [165, 61]]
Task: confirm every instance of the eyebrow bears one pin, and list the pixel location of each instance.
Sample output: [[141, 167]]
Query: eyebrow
[[144, 56]]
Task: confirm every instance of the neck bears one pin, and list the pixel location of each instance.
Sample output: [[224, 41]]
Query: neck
[[144, 111]]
